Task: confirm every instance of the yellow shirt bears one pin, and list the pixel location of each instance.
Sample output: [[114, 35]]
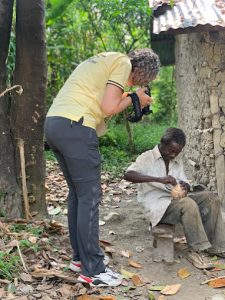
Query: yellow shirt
[[83, 91]]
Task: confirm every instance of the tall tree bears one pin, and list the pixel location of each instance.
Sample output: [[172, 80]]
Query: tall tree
[[25, 112], [10, 197]]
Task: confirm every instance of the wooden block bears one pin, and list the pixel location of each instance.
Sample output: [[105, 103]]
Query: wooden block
[[163, 246]]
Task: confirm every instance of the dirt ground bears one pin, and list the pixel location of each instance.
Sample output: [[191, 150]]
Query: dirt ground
[[130, 232], [125, 238], [124, 227]]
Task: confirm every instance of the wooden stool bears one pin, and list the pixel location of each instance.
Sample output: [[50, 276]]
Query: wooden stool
[[163, 246]]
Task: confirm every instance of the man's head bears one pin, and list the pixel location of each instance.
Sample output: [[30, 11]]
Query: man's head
[[145, 66], [172, 142]]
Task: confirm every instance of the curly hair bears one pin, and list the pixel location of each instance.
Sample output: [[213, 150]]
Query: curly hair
[[173, 134], [145, 65]]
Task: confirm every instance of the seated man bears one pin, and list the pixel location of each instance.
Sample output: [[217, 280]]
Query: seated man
[[156, 171]]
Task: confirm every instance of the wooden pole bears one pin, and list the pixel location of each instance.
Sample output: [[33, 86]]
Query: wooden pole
[[24, 182]]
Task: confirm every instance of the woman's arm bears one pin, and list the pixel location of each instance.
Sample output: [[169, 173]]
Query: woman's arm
[[113, 101]]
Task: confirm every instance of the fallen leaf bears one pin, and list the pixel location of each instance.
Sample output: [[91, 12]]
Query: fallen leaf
[[40, 273], [66, 291], [161, 297], [54, 211], [127, 274], [88, 297], [109, 250], [171, 289], [106, 298], [104, 243], [183, 273], [207, 281], [137, 281], [26, 277], [126, 253], [32, 239], [219, 267], [151, 296], [217, 282], [157, 287], [214, 258], [135, 264]]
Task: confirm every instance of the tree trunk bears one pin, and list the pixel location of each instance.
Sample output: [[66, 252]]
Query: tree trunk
[[28, 110], [10, 197]]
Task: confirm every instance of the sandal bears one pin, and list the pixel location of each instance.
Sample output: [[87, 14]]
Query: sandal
[[199, 260]]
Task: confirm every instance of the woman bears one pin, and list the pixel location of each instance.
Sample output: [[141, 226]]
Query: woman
[[93, 92]]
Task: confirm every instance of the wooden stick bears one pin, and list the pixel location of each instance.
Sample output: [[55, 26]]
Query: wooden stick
[[204, 282], [24, 183], [21, 257], [19, 91]]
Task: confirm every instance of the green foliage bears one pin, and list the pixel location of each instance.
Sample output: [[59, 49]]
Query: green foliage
[[10, 266], [25, 244], [28, 228], [49, 155], [79, 29], [164, 94], [114, 145]]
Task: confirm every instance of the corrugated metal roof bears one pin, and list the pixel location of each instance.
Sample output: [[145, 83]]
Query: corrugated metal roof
[[188, 13]]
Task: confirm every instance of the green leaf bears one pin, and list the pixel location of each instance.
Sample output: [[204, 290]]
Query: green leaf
[[157, 287]]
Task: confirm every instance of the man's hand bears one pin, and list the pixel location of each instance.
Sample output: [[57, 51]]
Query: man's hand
[[168, 180], [185, 185]]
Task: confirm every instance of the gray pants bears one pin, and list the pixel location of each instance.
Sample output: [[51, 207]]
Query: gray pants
[[76, 149], [200, 215]]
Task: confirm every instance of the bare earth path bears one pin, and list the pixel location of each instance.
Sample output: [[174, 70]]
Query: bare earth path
[[125, 239], [123, 225]]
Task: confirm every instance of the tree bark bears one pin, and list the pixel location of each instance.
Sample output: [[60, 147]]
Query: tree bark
[[28, 110], [10, 196]]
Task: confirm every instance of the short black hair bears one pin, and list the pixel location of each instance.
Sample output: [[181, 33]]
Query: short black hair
[[173, 134]]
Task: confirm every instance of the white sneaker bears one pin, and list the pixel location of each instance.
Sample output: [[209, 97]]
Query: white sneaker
[[75, 266], [107, 278]]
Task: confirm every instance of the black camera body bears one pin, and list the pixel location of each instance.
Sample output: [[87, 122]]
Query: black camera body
[[138, 112]]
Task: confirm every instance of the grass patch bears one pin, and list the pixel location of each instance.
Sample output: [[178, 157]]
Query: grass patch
[[49, 155], [10, 266], [28, 228]]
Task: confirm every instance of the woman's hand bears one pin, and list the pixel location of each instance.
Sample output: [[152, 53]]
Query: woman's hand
[[143, 97]]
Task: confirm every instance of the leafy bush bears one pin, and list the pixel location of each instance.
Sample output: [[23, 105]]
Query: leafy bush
[[165, 99]]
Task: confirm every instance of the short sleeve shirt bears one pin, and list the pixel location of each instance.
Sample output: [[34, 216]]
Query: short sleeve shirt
[[154, 196], [83, 91]]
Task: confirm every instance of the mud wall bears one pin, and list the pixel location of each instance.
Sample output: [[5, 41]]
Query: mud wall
[[200, 80]]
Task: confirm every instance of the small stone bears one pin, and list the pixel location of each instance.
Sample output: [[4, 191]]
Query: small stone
[[37, 296], [113, 216]]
